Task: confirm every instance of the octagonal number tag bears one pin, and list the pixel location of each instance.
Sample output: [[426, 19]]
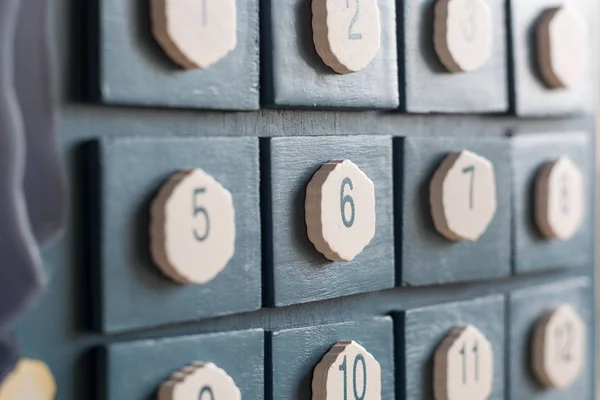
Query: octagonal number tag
[[463, 34], [559, 199], [192, 227], [559, 347], [199, 381], [347, 371], [463, 196], [463, 366], [195, 33], [347, 34], [340, 210]]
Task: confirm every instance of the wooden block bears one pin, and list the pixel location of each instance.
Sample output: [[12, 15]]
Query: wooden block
[[299, 359], [199, 381], [297, 272], [340, 210], [558, 347], [463, 365], [567, 360], [195, 34], [424, 256], [192, 227], [347, 37], [463, 34], [552, 72], [347, 369], [462, 195], [232, 368], [563, 47], [559, 199], [540, 198], [436, 40], [429, 357], [200, 54], [128, 174], [30, 380], [300, 60]]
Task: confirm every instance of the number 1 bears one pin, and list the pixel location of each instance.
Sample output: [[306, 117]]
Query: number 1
[[471, 170], [204, 13]]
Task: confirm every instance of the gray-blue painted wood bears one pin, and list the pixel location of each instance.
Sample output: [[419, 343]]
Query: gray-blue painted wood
[[131, 291], [530, 95], [531, 251], [295, 76], [429, 87], [294, 353], [135, 370], [424, 256], [526, 307], [127, 66], [419, 332], [295, 271]]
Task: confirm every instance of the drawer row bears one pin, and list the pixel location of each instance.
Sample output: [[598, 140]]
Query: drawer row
[[422, 56], [187, 228], [535, 344]]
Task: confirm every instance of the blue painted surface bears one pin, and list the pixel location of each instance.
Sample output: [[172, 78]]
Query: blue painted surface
[[423, 256], [418, 333], [530, 95], [429, 87], [131, 292], [135, 370], [126, 65], [288, 51], [295, 271], [526, 307], [531, 251], [295, 352]]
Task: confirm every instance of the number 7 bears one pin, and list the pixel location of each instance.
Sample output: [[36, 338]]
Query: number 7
[[471, 170]]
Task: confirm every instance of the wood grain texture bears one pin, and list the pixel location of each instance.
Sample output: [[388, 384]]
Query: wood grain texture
[[429, 87], [294, 353], [297, 272], [531, 251], [425, 257], [127, 66], [135, 370], [530, 94], [132, 292], [295, 75], [419, 332], [526, 308]]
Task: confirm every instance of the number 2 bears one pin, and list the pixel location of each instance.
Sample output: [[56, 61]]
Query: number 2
[[200, 210], [564, 342], [208, 391], [353, 35], [471, 170]]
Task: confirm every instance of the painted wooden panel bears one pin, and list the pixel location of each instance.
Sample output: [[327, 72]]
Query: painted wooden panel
[[293, 354], [295, 76], [135, 370], [526, 307], [127, 173], [419, 332], [429, 87], [424, 256], [296, 271], [531, 96], [127, 66], [531, 251]]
